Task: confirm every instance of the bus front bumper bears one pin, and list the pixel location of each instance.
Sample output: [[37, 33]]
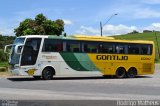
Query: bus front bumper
[[15, 70]]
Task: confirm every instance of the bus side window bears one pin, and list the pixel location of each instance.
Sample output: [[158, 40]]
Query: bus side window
[[145, 49], [92, 48], [58, 47], [49, 48], [89, 47], [76, 50], [100, 48], [73, 46], [133, 49], [108, 48], [52, 45], [85, 48], [68, 48], [120, 49]]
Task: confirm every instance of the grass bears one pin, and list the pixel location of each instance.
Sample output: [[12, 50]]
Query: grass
[[6, 73], [3, 64], [150, 36], [3, 69]]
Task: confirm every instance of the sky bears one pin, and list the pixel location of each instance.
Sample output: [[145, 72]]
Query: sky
[[84, 16]]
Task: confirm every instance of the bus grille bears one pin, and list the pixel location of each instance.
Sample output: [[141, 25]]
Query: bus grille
[[147, 67]]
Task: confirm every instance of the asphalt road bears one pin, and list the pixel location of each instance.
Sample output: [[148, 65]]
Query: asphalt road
[[81, 88]]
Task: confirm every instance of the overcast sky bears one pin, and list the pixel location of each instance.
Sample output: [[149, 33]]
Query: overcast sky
[[84, 16]]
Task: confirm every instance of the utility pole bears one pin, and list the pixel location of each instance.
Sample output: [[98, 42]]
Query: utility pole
[[101, 26], [157, 45]]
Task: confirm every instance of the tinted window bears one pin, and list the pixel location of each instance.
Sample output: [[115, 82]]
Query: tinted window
[[30, 51], [108, 48], [120, 49], [140, 49], [146, 49], [133, 49], [90, 47], [52, 45], [73, 46]]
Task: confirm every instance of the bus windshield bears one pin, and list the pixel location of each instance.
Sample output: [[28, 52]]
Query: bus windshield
[[30, 51], [14, 58]]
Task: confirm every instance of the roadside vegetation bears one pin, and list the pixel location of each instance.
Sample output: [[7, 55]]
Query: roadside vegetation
[[4, 40], [4, 68]]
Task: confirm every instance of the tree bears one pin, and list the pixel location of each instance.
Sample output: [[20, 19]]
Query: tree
[[133, 32], [40, 26], [3, 56], [5, 40], [59, 26], [40, 19], [146, 31]]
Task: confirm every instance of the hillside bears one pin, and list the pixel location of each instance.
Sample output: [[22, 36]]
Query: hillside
[[143, 36]]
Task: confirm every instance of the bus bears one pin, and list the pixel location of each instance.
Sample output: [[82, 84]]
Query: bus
[[45, 56]]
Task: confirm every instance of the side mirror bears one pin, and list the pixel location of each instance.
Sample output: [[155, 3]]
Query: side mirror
[[18, 49], [7, 48]]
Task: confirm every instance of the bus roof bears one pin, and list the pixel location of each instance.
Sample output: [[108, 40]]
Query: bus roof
[[87, 38], [91, 37]]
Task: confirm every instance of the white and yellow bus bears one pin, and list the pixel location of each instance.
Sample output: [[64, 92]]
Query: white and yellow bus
[[46, 56]]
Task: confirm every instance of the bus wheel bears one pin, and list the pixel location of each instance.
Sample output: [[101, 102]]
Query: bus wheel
[[132, 72], [48, 73], [121, 72]]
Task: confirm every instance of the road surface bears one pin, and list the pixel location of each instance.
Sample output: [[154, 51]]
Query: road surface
[[81, 88]]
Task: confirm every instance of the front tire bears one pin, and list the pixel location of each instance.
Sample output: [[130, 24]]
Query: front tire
[[48, 74]]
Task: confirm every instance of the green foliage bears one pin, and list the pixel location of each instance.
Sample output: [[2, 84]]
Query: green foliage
[[40, 26], [134, 32], [3, 64], [59, 26], [150, 36], [65, 35], [40, 19], [4, 40], [3, 56]]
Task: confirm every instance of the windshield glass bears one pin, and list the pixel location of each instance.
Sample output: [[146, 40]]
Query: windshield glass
[[30, 51], [14, 58]]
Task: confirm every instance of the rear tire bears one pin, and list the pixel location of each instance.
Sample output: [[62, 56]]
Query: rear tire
[[48, 74], [132, 72], [121, 72]]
